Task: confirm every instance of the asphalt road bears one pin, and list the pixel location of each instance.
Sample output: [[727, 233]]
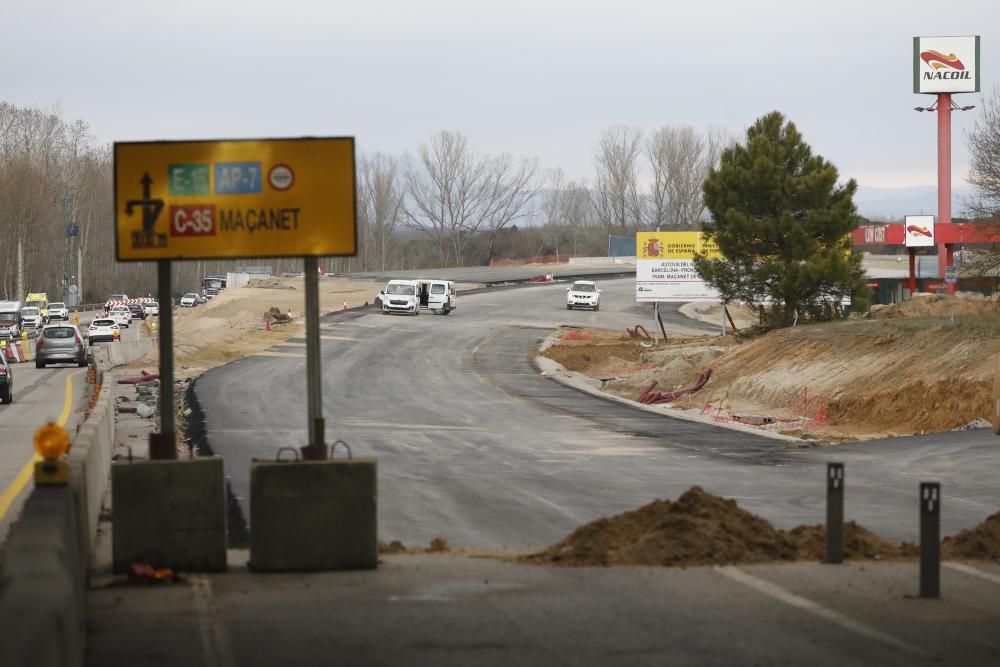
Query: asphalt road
[[473, 445], [40, 395]]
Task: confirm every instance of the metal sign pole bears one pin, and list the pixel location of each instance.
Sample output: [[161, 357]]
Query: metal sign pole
[[834, 512], [162, 445], [930, 539], [656, 330], [316, 449]]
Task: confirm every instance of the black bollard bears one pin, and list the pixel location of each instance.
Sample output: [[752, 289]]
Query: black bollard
[[834, 512], [930, 540]]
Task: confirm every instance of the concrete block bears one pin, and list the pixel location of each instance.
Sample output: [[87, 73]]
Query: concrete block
[[313, 515], [170, 514]]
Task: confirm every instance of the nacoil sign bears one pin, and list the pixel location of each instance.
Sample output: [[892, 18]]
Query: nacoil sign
[[946, 64], [218, 199]]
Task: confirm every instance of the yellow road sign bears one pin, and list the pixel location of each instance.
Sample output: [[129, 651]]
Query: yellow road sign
[[674, 245], [244, 198]]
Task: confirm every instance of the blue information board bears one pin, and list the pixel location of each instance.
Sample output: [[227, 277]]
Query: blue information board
[[237, 178]]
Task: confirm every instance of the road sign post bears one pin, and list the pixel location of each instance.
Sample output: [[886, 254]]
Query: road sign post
[[930, 540], [316, 448], [834, 512], [163, 445]]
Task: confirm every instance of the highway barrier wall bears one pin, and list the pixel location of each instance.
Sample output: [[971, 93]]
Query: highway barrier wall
[[45, 560]]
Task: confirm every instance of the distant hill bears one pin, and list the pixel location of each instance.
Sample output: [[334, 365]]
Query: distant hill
[[893, 203]]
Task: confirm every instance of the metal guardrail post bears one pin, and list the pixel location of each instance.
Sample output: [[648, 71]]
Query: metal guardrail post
[[930, 540], [834, 512]]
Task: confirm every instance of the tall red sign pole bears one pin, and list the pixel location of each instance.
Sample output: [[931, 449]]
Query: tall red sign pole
[[945, 250]]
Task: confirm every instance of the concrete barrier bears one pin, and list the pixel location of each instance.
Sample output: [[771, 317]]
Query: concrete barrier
[[313, 515], [44, 564], [43, 583]]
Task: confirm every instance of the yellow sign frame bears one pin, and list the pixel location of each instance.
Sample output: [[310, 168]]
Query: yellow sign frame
[[229, 199]]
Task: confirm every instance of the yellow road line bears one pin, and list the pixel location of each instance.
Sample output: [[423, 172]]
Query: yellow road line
[[15, 488]]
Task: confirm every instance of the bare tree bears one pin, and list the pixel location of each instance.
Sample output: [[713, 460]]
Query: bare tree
[[617, 199], [380, 206], [680, 160], [983, 140], [454, 193]]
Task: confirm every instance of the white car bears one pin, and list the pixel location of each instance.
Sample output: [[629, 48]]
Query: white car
[[104, 329], [152, 308], [58, 311], [189, 300], [583, 293], [122, 315], [32, 317]]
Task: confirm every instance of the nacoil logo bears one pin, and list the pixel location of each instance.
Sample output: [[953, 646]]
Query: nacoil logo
[[944, 66]]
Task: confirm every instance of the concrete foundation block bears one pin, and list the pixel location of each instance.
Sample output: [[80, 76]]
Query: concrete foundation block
[[313, 515], [170, 514]]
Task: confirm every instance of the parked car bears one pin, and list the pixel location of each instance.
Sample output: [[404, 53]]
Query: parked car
[[6, 380], [32, 317], [60, 344], [152, 308], [137, 310], [583, 293], [58, 311], [122, 315], [10, 325], [104, 329], [189, 300]]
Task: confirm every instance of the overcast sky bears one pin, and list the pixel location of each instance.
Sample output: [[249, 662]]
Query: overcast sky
[[535, 78]]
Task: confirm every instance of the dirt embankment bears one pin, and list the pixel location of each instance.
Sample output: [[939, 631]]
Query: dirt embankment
[[700, 528], [232, 326], [926, 365]]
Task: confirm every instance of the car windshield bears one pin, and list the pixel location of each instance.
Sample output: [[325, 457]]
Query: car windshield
[[152, 305], [102, 323], [190, 295], [57, 305], [59, 332], [8, 318], [405, 290], [29, 312], [584, 287]]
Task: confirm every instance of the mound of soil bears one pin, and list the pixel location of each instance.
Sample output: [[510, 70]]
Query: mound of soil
[[698, 529], [980, 542], [937, 305], [703, 529], [859, 544]]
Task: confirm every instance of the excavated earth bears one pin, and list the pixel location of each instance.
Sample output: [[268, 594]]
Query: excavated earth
[[922, 366], [700, 528]]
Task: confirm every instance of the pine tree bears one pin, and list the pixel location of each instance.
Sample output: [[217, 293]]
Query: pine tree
[[783, 225]]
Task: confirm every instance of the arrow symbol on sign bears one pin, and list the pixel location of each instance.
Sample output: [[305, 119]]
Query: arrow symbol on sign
[[150, 207]]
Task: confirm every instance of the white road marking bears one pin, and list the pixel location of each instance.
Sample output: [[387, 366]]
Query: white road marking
[[793, 600], [420, 427], [968, 569], [215, 642], [266, 353], [322, 337]]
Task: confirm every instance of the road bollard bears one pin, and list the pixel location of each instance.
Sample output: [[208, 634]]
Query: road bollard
[[834, 512], [930, 540]]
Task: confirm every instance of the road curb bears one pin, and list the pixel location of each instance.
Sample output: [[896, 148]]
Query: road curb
[[556, 372]]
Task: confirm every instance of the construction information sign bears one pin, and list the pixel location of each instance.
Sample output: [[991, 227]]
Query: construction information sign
[[665, 267], [245, 198]]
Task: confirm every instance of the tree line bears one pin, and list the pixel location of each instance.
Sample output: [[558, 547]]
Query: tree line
[[447, 204]]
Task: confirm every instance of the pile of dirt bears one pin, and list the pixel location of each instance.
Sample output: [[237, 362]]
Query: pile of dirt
[[274, 315], [700, 528], [697, 529], [938, 305], [836, 381], [980, 542], [438, 545], [859, 544]]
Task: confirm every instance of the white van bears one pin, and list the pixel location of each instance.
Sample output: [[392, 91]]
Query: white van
[[401, 296], [409, 296]]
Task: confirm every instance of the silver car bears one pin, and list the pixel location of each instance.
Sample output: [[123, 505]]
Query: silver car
[[60, 344]]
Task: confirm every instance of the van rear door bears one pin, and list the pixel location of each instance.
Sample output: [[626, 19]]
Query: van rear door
[[438, 296]]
